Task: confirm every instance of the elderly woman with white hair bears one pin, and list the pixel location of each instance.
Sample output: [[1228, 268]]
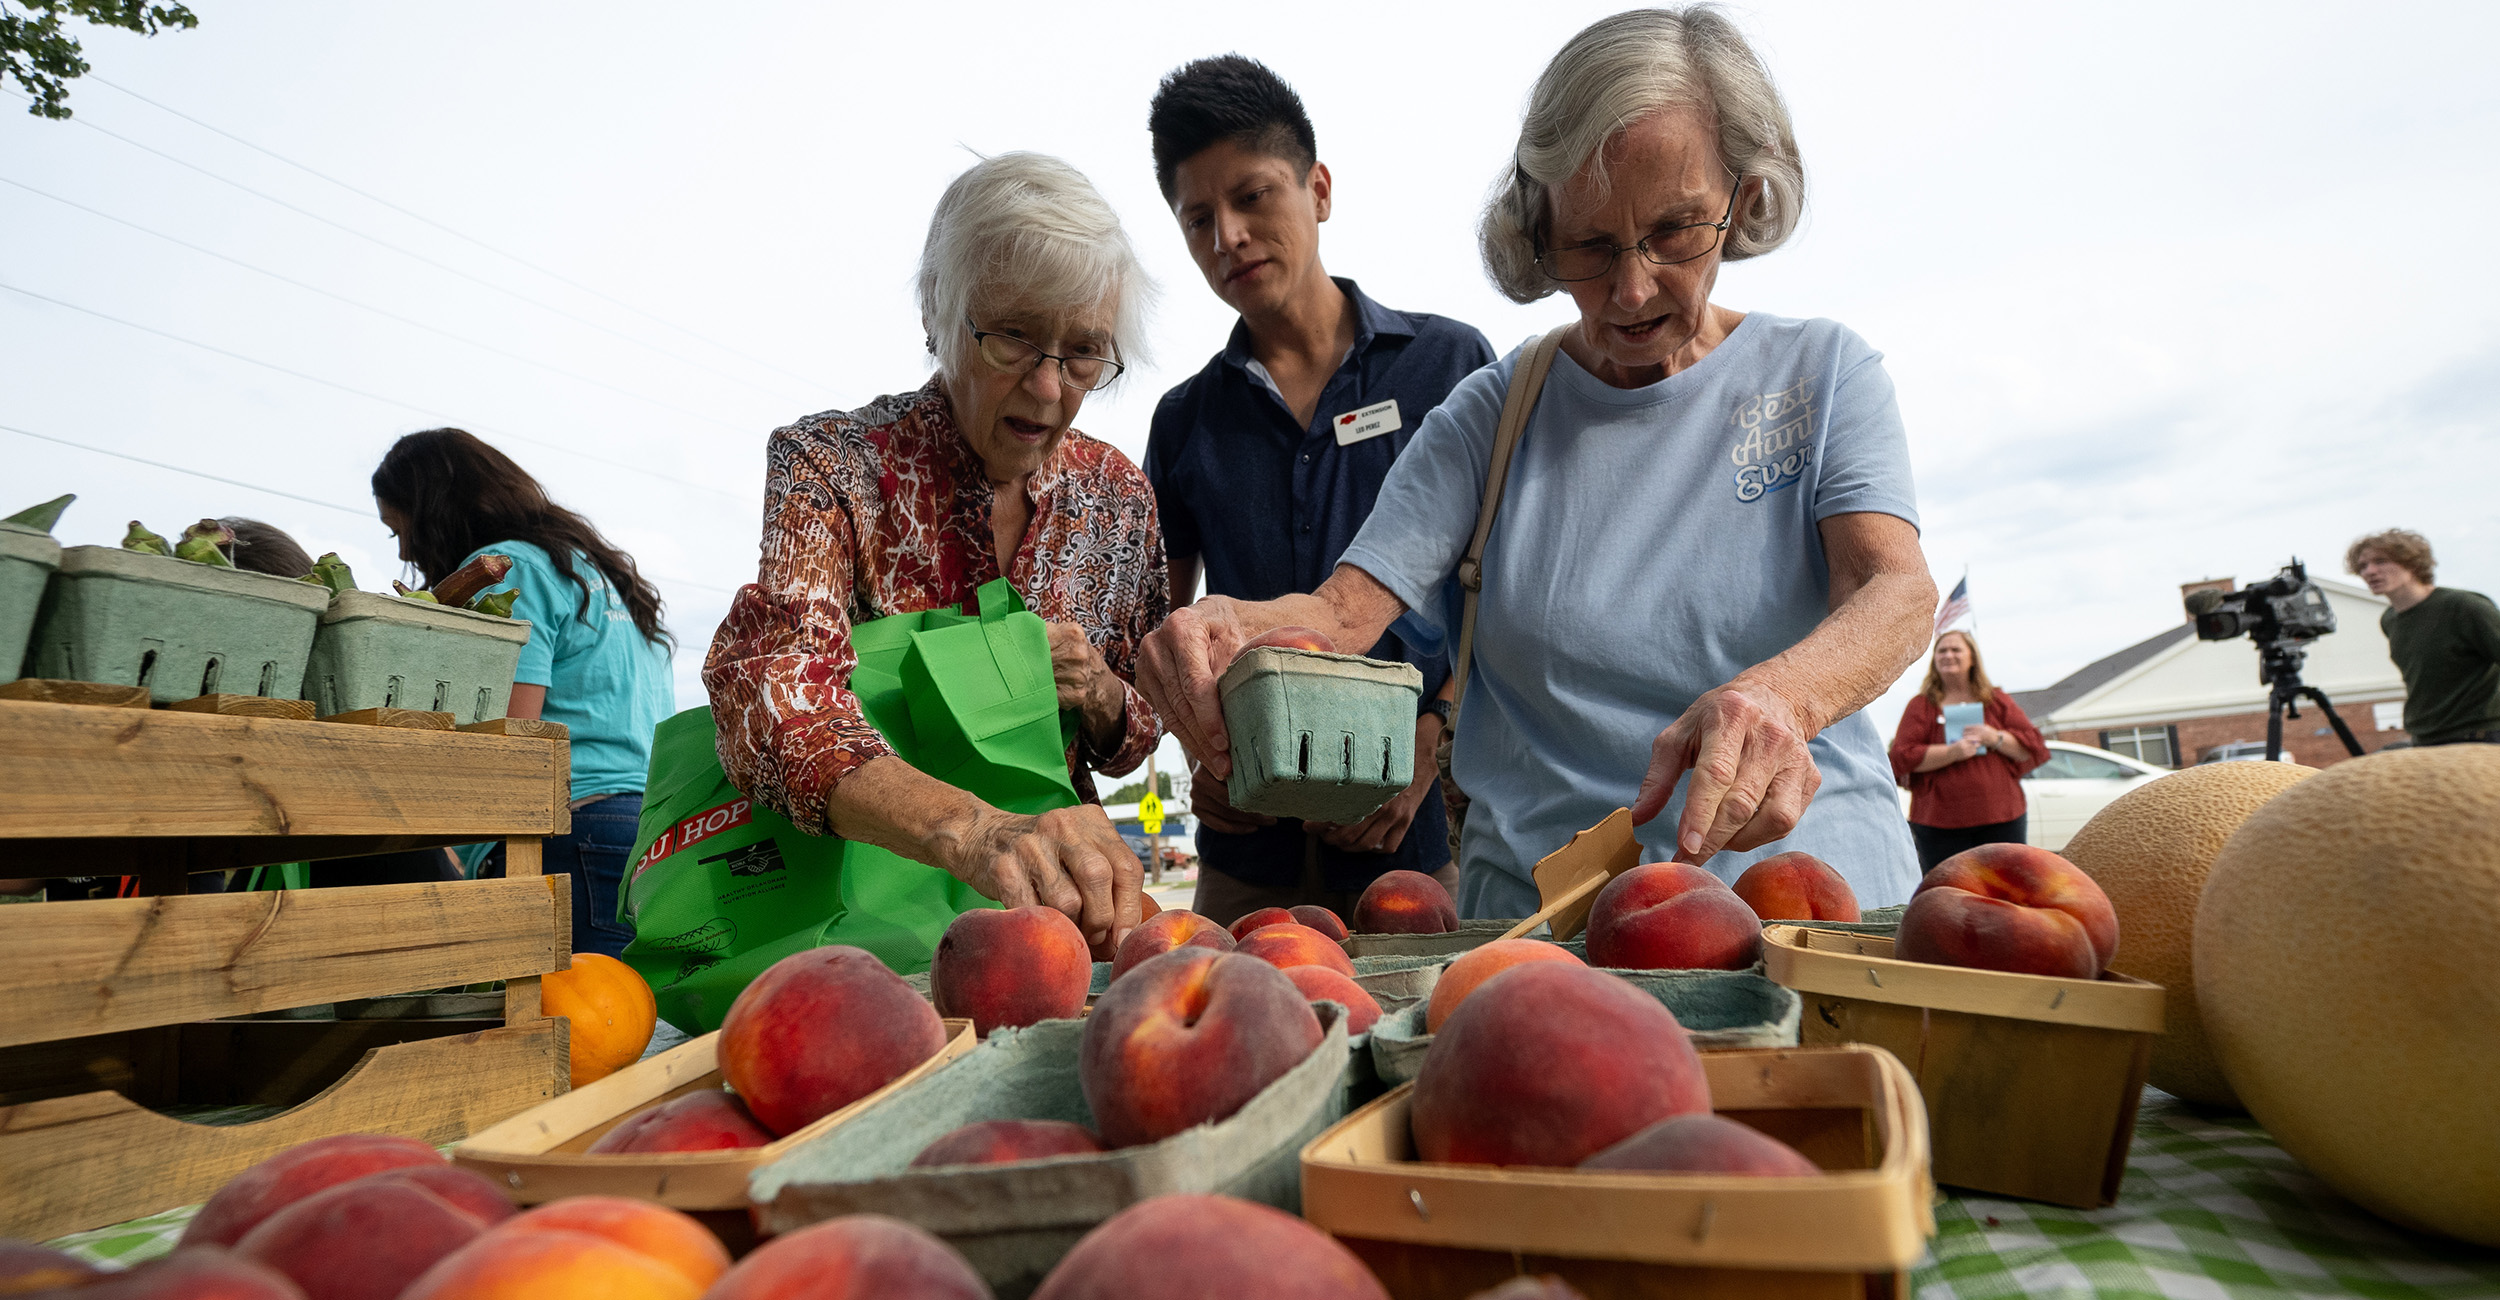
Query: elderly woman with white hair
[[1703, 559], [1031, 297]]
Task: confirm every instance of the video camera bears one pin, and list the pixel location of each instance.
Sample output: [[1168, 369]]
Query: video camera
[[2286, 608]]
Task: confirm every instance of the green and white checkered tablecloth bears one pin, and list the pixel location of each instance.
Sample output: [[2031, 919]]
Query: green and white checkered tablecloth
[[2211, 1209]]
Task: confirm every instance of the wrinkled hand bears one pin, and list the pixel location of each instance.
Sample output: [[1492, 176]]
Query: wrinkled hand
[[1177, 666], [1752, 773], [1211, 803], [1086, 682], [1385, 830], [1069, 859]]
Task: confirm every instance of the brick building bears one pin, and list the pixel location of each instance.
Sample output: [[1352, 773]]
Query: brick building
[[2172, 699]]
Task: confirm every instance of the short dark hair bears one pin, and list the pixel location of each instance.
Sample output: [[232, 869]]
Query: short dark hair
[[1227, 98]]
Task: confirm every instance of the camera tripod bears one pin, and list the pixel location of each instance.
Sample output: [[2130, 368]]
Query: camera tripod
[[2278, 666]]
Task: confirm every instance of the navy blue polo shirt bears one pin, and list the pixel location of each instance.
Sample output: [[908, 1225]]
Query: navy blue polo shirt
[[1268, 505]]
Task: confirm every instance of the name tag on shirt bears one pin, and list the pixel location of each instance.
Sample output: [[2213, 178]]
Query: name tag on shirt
[[1370, 422]]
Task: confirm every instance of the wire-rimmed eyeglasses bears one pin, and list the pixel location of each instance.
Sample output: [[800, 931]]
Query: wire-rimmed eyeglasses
[[1016, 357]]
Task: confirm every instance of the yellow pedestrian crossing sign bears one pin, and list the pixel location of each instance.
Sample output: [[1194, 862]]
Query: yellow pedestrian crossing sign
[[1150, 813]]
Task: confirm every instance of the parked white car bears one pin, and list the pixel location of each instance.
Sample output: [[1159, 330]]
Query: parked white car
[[2060, 795]]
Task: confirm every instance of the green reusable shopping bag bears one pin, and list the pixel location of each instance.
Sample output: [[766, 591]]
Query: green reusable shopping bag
[[721, 887]]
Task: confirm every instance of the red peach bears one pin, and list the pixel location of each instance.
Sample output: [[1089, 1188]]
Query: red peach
[[709, 1120], [1001, 1141], [1265, 916], [295, 1173], [1294, 944], [1320, 984], [1188, 1040], [2010, 907], [1108, 949], [25, 1267], [1291, 638], [1476, 965], [855, 1257], [1179, 1247], [664, 1236], [1320, 919], [1177, 928], [1011, 968], [1549, 1064], [1672, 916], [1405, 902], [549, 1265], [363, 1240], [191, 1273], [1704, 1144], [819, 1030], [1797, 887]]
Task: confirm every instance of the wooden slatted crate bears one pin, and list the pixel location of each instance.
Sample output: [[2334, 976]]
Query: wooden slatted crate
[[116, 1006]]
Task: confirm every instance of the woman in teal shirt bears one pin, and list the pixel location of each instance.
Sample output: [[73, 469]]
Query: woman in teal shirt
[[597, 659]]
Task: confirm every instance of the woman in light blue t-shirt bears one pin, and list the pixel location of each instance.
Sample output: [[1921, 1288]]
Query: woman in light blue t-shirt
[[597, 659], [1706, 560]]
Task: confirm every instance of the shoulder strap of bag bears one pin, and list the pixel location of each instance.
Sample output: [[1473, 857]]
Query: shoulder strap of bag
[[1525, 383]]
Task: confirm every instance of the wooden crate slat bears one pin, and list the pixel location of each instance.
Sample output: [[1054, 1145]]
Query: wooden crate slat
[[93, 967], [82, 1162], [74, 772]]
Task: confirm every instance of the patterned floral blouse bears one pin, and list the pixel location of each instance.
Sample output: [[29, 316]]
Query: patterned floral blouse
[[885, 510]]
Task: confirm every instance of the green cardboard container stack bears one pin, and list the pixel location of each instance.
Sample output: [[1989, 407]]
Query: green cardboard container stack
[[384, 652], [27, 558], [178, 628]]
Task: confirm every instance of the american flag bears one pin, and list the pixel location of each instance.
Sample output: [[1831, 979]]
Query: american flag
[[1956, 606]]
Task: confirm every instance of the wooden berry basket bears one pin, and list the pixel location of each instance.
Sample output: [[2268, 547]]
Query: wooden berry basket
[[543, 1153], [1433, 1230], [2031, 1081]]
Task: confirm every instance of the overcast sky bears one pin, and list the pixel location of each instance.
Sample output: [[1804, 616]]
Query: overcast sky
[[2168, 291]]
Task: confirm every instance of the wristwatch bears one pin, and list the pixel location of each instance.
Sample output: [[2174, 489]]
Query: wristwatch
[[1438, 706]]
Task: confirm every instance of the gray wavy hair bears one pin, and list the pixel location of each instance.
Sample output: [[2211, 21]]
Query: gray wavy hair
[[1615, 72], [1027, 231]]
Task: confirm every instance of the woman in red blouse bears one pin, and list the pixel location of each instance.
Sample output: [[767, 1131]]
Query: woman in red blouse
[[1969, 792], [1030, 294]]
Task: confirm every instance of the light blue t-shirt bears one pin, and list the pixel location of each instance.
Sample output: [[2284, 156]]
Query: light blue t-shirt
[[605, 683], [1652, 544]]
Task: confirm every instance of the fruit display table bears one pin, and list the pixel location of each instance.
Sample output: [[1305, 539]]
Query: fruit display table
[[2211, 1208], [120, 1009]]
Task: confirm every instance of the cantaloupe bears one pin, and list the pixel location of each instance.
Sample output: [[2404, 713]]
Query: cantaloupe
[[2348, 968], [2149, 851]]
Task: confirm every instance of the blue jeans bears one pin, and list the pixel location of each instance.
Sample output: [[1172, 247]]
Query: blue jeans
[[594, 856]]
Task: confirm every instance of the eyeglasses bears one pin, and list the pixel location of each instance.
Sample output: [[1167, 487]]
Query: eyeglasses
[[1668, 247], [1016, 357]]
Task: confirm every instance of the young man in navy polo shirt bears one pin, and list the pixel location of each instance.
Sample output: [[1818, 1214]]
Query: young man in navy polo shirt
[[1266, 463]]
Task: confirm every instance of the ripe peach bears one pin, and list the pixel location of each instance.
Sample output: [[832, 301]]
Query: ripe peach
[[1106, 948], [855, 1257], [673, 1240], [191, 1273], [1291, 638], [819, 1030], [1549, 1064], [1318, 983], [1405, 902], [1320, 919], [1704, 1144], [1294, 944], [2010, 907], [1797, 887], [1170, 1247], [1265, 916], [25, 1267], [1672, 916], [363, 1240], [710, 1120], [1000, 1141], [1476, 965], [550, 1265], [1178, 928], [1186, 1041], [295, 1173], [1013, 967]]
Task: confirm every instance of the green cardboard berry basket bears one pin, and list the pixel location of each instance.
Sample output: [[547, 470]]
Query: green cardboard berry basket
[[1319, 736], [179, 628], [27, 558], [385, 652]]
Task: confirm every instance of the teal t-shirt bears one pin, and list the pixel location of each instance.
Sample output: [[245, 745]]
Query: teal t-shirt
[[605, 683]]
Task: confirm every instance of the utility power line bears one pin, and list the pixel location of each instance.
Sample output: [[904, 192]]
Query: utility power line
[[369, 307], [427, 411], [464, 236]]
